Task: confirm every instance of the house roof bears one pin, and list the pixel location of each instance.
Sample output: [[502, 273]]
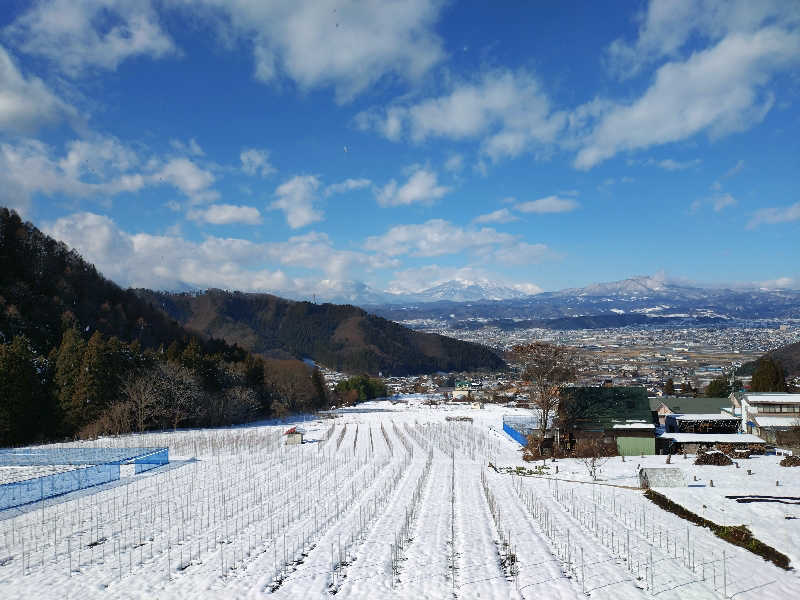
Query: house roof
[[696, 406], [772, 398], [713, 438], [637, 425], [593, 408], [775, 421], [703, 417]]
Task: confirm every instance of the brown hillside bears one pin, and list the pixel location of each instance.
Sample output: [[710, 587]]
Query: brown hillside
[[342, 337]]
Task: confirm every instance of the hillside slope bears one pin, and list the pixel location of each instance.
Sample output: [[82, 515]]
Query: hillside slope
[[341, 337], [45, 286], [787, 356]]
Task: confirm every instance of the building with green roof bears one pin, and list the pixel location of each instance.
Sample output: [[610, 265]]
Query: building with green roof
[[618, 415]]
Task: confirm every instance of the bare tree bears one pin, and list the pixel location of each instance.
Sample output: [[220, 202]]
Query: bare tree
[[182, 395], [240, 405], [593, 454], [142, 394], [546, 368]]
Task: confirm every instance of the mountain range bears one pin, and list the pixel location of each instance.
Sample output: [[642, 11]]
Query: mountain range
[[653, 296], [361, 294], [644, 296]]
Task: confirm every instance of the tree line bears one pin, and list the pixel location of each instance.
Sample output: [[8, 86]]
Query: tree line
[[80, 356], [103, 385]]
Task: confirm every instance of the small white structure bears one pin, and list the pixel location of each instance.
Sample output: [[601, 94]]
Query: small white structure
[[294, 436], [661, 477]]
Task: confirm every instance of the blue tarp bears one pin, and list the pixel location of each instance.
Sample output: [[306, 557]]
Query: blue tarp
[[516, 435], [43, 456], [97, 466], [39, 488]]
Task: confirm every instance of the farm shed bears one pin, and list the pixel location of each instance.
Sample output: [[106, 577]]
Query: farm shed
[[701, 423], [634, 439], [677, 443], [294, 436], [620, 416]]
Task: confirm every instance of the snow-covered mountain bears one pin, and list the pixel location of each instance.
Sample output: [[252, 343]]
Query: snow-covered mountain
[[640, 285], [653, 296], [359, 293], [464, 290]]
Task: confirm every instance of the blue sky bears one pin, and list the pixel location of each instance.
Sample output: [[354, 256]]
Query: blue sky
[[297, 146]]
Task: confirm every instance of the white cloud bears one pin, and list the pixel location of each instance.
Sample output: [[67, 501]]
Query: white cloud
[[548, 204], [348, 185], [434, 238], [775, 215], [29, 167], [718, 91], [718, 202], [319, 43], [669, 164], [523, 253], [171, 262], [97, 167], [256, 162], [191, 148], [78, 36], [227, 214], [195, 182], [98, 158], [723, 201], [296, 198], [667, 26], [26, 103], [502, 215], [781, 283], [422, 187], [454, 163], [506, 110], [735, 169]]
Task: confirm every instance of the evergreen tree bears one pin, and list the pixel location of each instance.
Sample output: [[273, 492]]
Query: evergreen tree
[[21, 393], [719, 387], [174, 351], [669, 387], [321, 400], [95, 382], [69, 359], [192, 356], [768, 376]]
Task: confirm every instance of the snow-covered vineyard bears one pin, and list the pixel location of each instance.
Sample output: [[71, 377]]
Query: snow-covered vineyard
[[395, 500]]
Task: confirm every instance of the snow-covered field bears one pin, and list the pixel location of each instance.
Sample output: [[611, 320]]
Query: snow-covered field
[[393, 501]]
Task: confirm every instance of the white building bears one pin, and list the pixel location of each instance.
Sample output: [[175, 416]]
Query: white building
[[765, 413]]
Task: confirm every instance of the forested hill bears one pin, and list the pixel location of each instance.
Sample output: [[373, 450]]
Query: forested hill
[[788, 357], [79, 356], [341, 337], [45, 286]]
